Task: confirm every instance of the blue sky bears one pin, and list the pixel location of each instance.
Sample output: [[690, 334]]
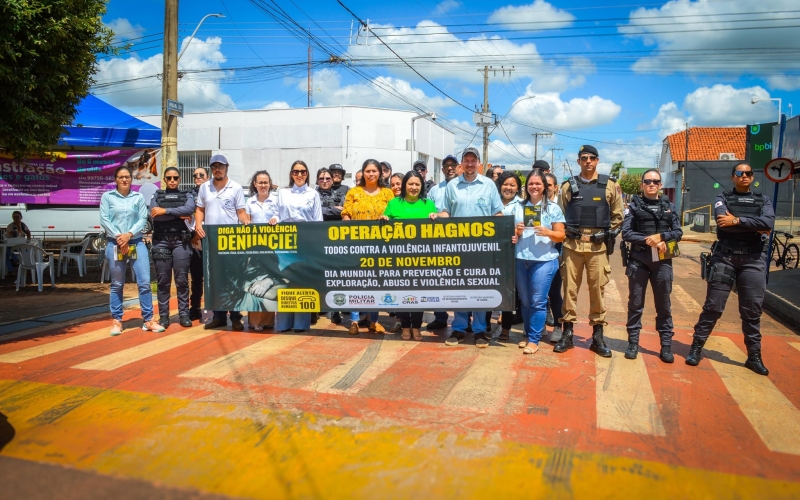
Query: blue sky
[[615, 74]]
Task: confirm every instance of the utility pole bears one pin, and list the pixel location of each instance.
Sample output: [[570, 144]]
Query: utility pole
[[536, 136], [553, 157], [485, 118], [683, 174], [169, 86], [310, 76]]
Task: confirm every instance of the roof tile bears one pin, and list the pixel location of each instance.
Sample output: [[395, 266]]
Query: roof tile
[[706, 143]]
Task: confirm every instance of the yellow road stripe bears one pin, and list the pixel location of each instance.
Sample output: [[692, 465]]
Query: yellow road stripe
[[685, 300], [795, 345], [242, 451], [772, 415], [146, 350], [360, 370], [613, 299], [243, 358], [54, 347], [625, 398], [487, 384]]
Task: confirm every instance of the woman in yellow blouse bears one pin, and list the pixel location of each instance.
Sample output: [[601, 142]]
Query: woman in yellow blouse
[[367, 201]]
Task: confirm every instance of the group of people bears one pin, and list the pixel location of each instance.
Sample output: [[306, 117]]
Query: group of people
[[573, 231]]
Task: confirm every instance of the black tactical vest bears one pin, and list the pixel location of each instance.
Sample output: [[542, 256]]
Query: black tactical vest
[[651, 218], [168, 224], [742, 205], [589, 207]]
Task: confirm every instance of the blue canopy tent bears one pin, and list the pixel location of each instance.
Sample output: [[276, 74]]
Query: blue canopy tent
[[99, 124]]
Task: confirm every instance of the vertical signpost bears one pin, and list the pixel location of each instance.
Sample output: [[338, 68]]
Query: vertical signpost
[[778, 170]]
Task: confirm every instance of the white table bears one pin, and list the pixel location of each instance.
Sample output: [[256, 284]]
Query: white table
[[8, 244]]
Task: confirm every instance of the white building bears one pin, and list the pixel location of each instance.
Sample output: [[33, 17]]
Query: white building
[[273, 139]]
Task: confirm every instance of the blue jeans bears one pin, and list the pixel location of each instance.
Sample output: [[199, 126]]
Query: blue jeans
[[141, 267], [461, 320], [355, 316], [298, 321], [533, 285]]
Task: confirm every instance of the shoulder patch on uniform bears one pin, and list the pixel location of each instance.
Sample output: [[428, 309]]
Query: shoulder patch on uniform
[[619, 190], [718, 204]]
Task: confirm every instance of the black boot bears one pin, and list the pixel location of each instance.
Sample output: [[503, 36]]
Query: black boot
[[695, 352], [566, 339], [754, 363], [164, 321], [195, 313], [549, 320], [632, 350], [666, 354], [598, 344]]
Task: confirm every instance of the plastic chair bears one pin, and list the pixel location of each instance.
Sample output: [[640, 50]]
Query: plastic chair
[[8, 245], [31, 258], [76, 252]]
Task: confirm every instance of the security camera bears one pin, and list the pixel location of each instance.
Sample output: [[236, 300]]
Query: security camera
[[433, 116]]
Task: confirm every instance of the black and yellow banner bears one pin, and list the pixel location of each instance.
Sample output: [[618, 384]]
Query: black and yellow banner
[[415, 264]]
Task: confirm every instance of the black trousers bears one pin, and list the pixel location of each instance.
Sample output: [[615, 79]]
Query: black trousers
[[554, 296], [506, 317], [171, 259], [659, 276], [751, 283], [196, 270], [411, 319]]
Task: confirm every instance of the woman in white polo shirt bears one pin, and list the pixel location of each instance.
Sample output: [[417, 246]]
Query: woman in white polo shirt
[[261, 207], [297, 203]]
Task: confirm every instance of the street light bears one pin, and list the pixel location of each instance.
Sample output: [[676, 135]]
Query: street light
[[195, 32], [432, 116], [755, 99]]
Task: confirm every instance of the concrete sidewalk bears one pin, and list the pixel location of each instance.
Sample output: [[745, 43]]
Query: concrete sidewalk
[[782, 297]]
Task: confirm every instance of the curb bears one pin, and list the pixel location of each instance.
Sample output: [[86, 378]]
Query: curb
[[782, 308], [60, 317]]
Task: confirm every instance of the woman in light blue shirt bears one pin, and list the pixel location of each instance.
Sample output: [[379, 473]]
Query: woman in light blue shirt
[[123, 215], [536, 256], [262, 206]]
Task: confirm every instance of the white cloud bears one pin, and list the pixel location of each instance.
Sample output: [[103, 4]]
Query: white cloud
[[540, 14], [723, 105], [548, 110], [429, 43], [198, 92], [376, 93], [705, 32], [717, 106], [784, 82], [445, 7], [124, 30], [277, 105]]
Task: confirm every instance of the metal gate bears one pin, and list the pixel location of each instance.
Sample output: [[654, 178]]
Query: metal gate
[[187, 162]]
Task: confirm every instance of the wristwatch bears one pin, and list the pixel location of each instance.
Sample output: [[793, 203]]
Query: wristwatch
[[735, 221]]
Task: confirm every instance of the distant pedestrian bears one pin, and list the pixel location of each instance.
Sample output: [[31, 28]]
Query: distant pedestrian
[[123, 216]]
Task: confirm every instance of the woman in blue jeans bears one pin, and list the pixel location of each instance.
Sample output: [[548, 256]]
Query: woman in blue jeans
[[123, 215], [536, 256]]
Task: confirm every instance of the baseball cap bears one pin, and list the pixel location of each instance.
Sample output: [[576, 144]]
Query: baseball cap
[[541, 164], [218, 159], [450, 157], [419, 165], [588, 149], [473, 151]]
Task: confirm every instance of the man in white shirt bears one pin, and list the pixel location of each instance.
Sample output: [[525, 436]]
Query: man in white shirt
[[220, 201]]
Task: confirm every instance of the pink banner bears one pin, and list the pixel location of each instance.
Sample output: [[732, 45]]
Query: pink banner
[[74, 177]]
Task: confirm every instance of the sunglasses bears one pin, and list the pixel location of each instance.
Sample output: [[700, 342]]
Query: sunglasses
[[741, 173], [124, 178], [199, 176], [588, 157], [449, 166], [172, 177], [651, 181], [325, 179], [299, 172]]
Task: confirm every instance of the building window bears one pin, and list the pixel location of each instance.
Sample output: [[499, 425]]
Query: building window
[[187, 162]]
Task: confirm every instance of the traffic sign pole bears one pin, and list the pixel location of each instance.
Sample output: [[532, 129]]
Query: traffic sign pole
[[775, 195]]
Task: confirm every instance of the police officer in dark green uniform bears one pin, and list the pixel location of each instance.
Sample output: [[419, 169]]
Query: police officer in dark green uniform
[[650, 222], [172, 249], [739, 256]]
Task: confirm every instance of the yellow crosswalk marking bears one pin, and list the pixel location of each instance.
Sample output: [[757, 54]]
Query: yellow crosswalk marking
[[146, 350], [613, 299], [772, 415], [238, 360], [486, 385], [685, 300], [625, 398], [362, 368], [54, 347]]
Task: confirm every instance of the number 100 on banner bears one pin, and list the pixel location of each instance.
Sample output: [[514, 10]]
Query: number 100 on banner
[[418, 264]]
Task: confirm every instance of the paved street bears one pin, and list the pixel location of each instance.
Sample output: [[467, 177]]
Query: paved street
[[327, 415]]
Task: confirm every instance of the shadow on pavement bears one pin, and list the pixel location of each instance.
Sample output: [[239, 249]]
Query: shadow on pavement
[[7, 431]]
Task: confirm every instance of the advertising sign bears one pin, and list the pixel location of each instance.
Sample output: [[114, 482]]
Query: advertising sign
[[73, 177], [417, 264], [759, 144]]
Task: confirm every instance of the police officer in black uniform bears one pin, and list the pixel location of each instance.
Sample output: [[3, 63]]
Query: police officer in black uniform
[[739, 256], [172, 245], [650, 221], [331, 200], [337, 172], [196, 264]]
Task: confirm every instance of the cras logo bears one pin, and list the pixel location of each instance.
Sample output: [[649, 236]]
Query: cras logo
[[339, 299], [410, 299], [388, 299], [754, 129]]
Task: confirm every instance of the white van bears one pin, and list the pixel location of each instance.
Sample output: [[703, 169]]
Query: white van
[[57, 224]]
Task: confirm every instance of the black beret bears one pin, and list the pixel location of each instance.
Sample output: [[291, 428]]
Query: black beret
[[588, 149]]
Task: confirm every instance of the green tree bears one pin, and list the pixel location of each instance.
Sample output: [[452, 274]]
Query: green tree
[[48, 55], [630, 183], [615, 169]]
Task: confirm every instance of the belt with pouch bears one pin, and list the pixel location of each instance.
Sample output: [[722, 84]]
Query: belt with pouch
[[168, 237], [585, 235]]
